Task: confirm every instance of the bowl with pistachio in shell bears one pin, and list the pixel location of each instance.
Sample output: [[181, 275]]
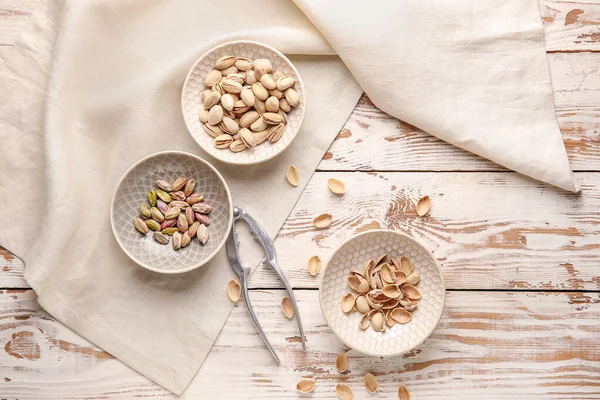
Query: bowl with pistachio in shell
[[243, 102], [382, 293]]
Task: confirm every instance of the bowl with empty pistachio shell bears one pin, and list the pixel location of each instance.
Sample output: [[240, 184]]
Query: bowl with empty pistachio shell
[[171, 212], [382, 293], [243, 102]]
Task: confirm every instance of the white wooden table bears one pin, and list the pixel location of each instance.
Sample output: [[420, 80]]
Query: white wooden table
[[521, 261]]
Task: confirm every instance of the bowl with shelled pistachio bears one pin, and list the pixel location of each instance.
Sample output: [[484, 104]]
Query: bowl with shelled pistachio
[[243, 102], [171, 212]]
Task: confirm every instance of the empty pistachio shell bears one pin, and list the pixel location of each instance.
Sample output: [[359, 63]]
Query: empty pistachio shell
[[365, 321], [306, 385], [391, 291], [371, 382], [336, 186], [401, 316], [413, 278], [386, 273], [406, 266], [358, 284], [314, 264], [377, 321], [344, 392], [212, 77], [225, 62], [234, 290], [323, 221], [141, 226], [423, 206], [287, 307], [403, 393], [293, 176], [411, 292], [362, 305], [389, 320], [341, 362], [400, 277], [348, 302]]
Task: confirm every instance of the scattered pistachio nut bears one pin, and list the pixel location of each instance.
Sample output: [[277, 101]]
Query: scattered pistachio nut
[[202, 234], [160, 237], [141, 226], [176, 241]]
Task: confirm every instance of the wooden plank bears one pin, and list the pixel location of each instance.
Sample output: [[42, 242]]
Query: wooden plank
[[487, 230], [571, 25], [494, 345], [372, 140]]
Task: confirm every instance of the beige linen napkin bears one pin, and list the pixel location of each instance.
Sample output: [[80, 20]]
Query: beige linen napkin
[[92, 86]]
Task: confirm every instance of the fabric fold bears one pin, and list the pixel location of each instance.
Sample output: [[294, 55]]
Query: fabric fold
[[91, 87], [473, 74]]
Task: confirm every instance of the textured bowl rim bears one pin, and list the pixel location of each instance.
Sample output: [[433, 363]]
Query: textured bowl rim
[[280, 54], [418, 243], [210, 256]]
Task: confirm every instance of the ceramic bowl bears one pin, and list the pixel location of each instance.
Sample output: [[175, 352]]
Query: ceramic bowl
[[191, 102], [354, 254], [133, 189]]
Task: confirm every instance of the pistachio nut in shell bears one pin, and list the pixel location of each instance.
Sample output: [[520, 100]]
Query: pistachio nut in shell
[[213, 130], [272, 118], [232, 86], [223, 141], [141, 226], [291, 96], [212, 78], [227, 102], [260, 92], [283, 106], [229, 71], [211, 100], [247, 137], [225, 62], [261, 136], [203, 115], [263, 63], [287, 307], [239, 107], [336, 186], [272, 104], [322, 221], [341, 362], [251, 77], [247, 96], [243, 63], [215, 115], [348, 302], [259, 125], [306, 385], [248, 119], [259, 106], [314, 264], [344, 392], [276, 132], [285, 82], [371, 382], [237, 145], [292, 175], [423, 206]]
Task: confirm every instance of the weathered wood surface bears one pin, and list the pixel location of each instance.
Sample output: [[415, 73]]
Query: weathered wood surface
[[487, 230], [488, 345], [372, 140]]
